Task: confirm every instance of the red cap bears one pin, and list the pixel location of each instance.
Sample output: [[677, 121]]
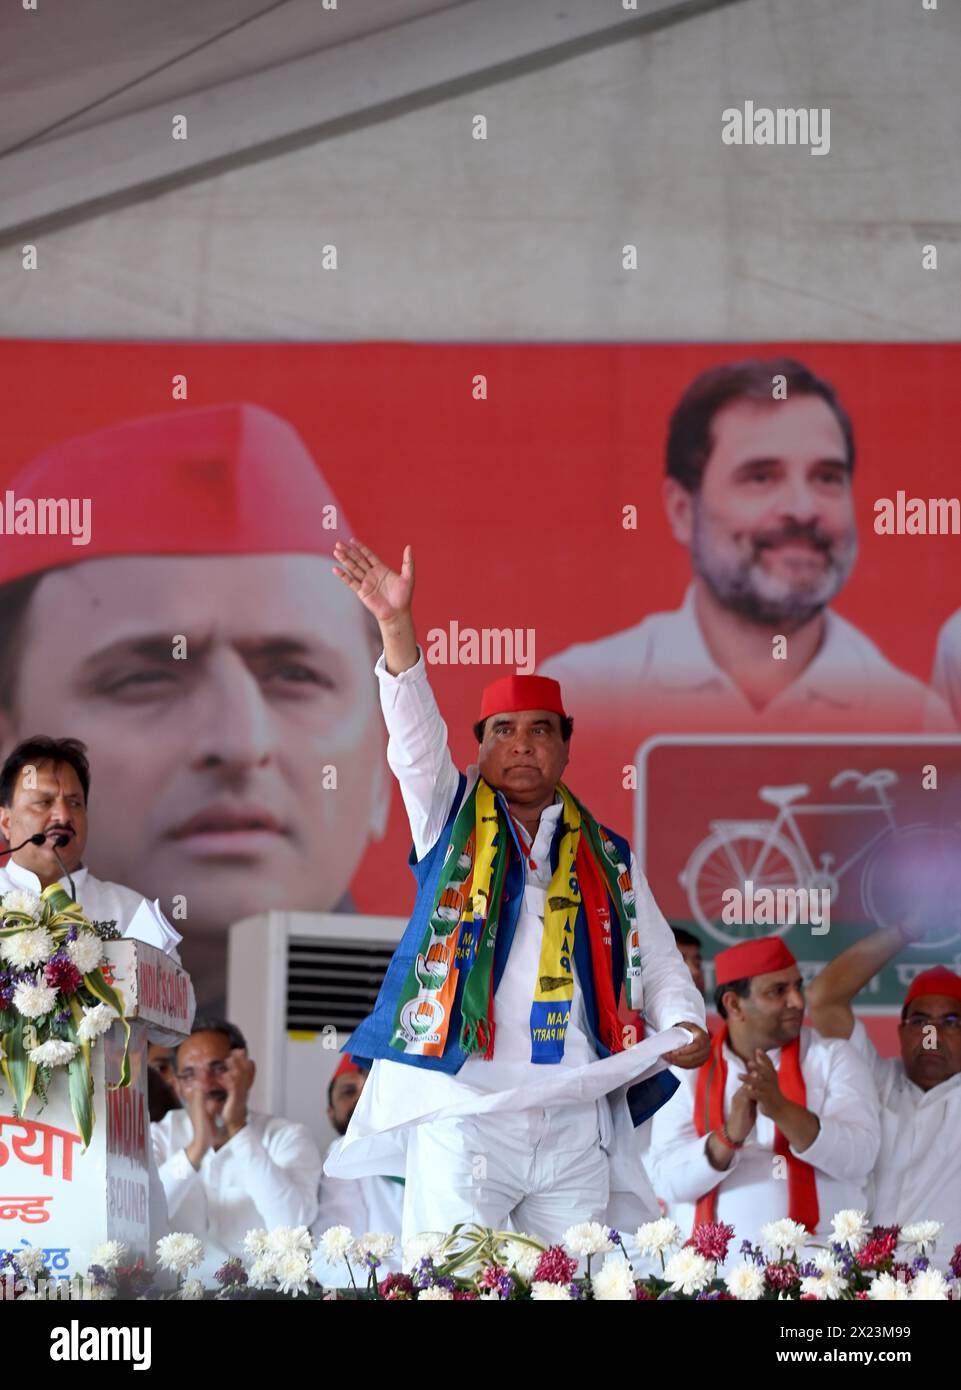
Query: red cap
[[214, 480], [938, 980], [345, 1065], [512, 693], [750, 958]]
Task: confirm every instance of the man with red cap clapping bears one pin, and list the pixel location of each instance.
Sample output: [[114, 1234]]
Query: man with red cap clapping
[[918, 1172], [529, 920], [778, 1122]]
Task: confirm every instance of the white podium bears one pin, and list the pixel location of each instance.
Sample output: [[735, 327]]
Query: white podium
[[64, 1199]]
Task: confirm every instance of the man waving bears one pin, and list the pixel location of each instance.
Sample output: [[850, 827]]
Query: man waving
[[530, 919]]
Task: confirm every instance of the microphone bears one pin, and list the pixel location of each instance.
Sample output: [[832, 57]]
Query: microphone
[[59, 843], [37, 839]]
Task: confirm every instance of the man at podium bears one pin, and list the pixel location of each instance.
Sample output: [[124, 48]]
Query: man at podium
[[44, 785]]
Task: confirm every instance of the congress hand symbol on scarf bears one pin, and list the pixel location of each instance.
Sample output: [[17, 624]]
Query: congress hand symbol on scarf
[[461, 936]]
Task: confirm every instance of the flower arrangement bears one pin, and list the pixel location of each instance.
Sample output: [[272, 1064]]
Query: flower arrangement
[[54, 1000], [476, 1264]]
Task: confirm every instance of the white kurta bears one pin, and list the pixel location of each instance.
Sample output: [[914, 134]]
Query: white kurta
[[663, 664], [917, 1176], [100, 900], [266, 1175], [842, 1095], [398, 1095]]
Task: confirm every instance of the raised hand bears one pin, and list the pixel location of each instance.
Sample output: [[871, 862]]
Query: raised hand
[[238, 1079], [381, 590]]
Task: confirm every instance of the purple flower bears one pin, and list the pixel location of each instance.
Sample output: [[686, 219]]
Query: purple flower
[[506, 1286], [231, 1272], [954, 1263]]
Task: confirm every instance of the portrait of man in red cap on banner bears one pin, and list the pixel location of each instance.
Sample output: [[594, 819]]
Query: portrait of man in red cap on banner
[[496, 1031], [778, 1123], [219, 675]]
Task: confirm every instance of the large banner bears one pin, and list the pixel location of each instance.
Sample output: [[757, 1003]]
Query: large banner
[[693, 546]]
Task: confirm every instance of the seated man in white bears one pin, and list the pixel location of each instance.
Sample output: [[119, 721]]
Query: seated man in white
[[227, 1169], [778, 1122], [368, 1203], [917, 1176]]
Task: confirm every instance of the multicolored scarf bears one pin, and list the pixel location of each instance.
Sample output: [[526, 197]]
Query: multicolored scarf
[[462, 932], [709, 1114]]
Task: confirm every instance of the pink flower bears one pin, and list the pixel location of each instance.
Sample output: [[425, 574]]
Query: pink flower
[[555, 1266], [712, 1239], [489, 1277], [63, 975], [781, 1276], [877, 1249]]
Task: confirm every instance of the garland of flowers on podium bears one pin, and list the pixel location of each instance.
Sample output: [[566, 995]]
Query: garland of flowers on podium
[[54, 1000]]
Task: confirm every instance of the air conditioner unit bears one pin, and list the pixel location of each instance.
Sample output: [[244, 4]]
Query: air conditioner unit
[[298, 983]]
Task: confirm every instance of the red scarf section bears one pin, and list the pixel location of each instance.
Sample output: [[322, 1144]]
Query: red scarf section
[[709, 1114]]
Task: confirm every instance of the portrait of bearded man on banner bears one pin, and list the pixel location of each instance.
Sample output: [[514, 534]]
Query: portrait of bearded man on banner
[[222, 679]]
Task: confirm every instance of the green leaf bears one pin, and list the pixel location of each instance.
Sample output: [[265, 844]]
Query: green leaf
[[19, 1071], [80, 1079]]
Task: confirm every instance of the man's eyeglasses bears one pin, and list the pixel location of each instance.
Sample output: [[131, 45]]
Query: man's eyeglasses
[[214, 1068], [951, 1022]]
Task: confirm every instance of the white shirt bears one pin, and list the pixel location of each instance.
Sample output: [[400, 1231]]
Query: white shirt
[[839, 1091], [367, 1204], [100, 900], [662, 669], [918, 1172], [396, 1094], [266, 1175], [946, 677]]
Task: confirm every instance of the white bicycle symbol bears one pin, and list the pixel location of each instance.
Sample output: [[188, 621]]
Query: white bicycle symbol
[[774, 854]]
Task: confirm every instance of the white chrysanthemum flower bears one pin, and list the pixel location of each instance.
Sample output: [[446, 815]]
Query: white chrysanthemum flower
[[657, 1236], [374, 1243], [614, 1281], [21, 900], [86, 952], [543, 1289], [95, 1022], [192, 1289], [921, 1236], [289, 1240], [588, 1238], [292, 1272], [435, 1295], [255, 1242], [688, 1272], [930, 1284], [55, 1052], [783, 1235], [108, 1255], [886, 1289], [30, 1261], [823, 1260], [30, 947], [337, 1242], [850, 1228], [746, 1282], [262, 1272], [489, 1296], [828, 1284], [34, 1000], [179, 1252], [522, 1259]]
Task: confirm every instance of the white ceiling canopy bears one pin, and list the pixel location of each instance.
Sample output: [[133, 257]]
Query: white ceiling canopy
[[88, 90]]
